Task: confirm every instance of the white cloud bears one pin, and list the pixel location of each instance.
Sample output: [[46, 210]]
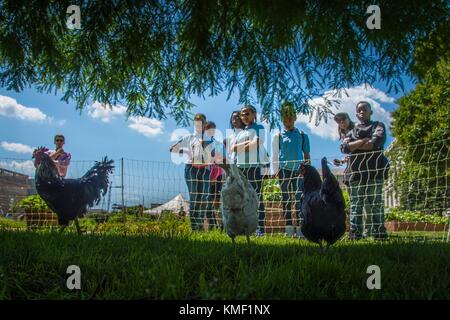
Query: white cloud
[[24, 167], [348, 103], [17, 147], [53, 121], [10, 108], [146, 126], [105, 112]]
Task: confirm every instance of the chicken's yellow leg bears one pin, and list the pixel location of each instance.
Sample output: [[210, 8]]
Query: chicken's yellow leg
[[78, 226]]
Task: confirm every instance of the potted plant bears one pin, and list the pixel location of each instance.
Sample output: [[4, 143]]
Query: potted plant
[[37, 213], [274, 220]]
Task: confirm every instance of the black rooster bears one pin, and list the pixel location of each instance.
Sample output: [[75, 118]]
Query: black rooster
[[323, 206], [70, 198]]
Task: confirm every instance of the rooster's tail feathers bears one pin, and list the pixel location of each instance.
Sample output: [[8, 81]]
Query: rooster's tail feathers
[[96, 180], [330, 186], [328, 178]]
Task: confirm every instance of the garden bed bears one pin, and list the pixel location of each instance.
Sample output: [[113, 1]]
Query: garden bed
[[414, 226]]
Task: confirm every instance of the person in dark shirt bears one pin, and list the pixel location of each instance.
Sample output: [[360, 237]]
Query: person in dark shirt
[[368, 167]]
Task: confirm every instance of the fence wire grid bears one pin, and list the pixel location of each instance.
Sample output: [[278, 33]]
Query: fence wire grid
[[409, 194]]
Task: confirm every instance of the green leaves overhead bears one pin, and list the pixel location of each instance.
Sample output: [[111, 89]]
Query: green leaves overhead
[[154, 56]]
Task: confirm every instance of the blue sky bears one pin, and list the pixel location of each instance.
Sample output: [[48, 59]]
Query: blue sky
[[95, 132], [29, 119]]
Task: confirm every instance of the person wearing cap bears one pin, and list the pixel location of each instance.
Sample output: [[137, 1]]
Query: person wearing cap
[[345, 125], [197, 171], [251, 156], [368, 167], [290, 147]]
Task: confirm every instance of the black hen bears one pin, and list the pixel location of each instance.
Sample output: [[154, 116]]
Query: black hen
[[323, 206], [70, 198]]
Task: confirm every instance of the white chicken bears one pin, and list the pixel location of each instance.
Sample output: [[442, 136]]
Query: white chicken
[[239, 204]]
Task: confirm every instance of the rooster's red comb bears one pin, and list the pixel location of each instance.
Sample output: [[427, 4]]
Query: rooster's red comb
[[39, 150]]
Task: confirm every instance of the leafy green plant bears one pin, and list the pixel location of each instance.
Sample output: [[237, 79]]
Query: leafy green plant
[[414, 216], [12, 224], [31, 204], [271, 190], [346, 199]]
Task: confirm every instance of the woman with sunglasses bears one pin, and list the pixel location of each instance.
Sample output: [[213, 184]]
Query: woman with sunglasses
[[59, 156], [250, 155]]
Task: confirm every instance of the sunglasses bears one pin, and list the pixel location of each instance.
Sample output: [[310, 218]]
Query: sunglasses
[[59, 140], [245, 114]]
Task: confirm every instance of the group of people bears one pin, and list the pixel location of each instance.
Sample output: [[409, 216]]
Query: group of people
[[366, 166], [363, 143]]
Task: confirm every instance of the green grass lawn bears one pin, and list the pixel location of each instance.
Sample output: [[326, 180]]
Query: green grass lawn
[[207, 266]]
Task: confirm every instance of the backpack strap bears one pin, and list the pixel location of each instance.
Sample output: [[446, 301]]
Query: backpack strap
[[279, 143], [302, 134]]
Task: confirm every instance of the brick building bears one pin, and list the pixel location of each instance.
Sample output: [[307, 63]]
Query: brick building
[[14, 187]]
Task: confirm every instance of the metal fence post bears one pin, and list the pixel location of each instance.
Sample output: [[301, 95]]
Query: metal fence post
[[123, 187]]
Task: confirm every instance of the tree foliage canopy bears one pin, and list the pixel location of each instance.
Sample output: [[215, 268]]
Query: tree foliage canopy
[[423, 115], [153, 56]]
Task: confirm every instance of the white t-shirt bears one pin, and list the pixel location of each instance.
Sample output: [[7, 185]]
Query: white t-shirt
[[198, 153], [231, 139], [256, 156]]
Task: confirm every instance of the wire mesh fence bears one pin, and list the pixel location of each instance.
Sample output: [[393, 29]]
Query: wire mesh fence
[[406, 196]]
